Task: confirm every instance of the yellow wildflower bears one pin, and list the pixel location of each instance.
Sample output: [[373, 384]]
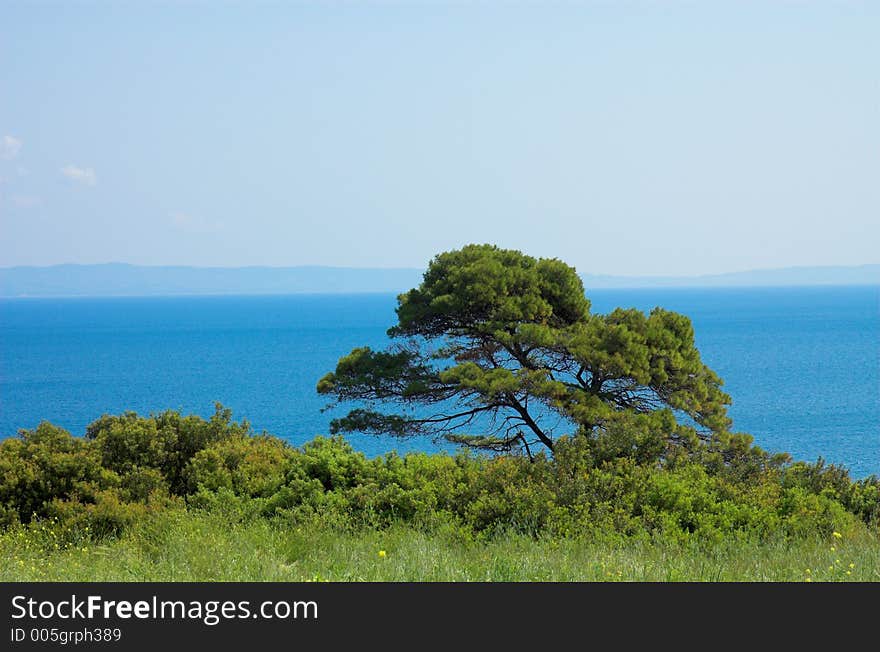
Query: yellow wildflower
[[382, 553]]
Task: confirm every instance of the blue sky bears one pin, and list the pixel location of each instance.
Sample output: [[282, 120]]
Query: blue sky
[[624, 138]]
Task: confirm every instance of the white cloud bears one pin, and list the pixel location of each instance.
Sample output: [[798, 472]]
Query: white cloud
[[9, 147], [80, 175]]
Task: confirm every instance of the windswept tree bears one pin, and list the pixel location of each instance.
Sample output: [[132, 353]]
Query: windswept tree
[[498, 350]]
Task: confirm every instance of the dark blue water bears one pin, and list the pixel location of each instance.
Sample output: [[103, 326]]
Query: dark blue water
[[802, 364]]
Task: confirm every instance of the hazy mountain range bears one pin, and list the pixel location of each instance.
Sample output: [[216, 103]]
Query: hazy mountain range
[[119, 279]]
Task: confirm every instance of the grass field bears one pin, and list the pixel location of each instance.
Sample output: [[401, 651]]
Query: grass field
[[189, 546]]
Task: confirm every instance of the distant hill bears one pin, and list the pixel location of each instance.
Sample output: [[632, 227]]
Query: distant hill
[[789, 276], [119, 279]]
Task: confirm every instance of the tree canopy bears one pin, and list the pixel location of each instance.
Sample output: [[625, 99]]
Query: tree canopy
[[499, 350]]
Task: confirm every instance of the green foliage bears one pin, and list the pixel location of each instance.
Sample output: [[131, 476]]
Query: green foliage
[[167, 441], [833, 482], [497, 350], [248, 466], [482, 287], [45, 465], [106, 513], [620, 481]]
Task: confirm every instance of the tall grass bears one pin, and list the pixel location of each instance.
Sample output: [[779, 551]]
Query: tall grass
[[201, 546]]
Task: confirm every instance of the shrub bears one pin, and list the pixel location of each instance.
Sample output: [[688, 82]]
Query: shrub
[[167, 441], [634, 477], [109, 514], [43, 465], [249, 466]]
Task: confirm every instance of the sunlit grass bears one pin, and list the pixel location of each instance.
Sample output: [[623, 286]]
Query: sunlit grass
[[206, 547]]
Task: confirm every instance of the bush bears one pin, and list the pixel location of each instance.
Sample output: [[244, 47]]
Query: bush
[[107, 514], [166, 442], [47, 464], [635, 478], [249, 466]]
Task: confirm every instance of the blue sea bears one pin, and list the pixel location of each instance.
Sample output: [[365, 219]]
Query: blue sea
[[801, 364]]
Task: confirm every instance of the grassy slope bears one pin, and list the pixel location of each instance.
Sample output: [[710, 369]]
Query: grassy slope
[[175, 549]]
